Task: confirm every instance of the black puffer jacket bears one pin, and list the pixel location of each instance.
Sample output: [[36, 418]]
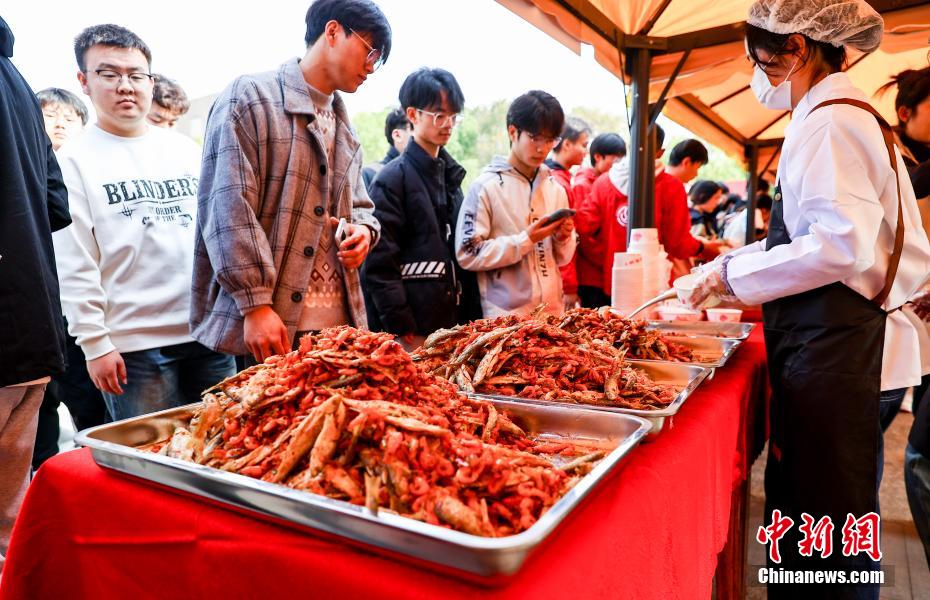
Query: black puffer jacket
[[409, 279], [33, 203]]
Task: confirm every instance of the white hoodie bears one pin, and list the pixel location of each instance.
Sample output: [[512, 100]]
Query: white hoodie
[[125, 263], [514, 275]]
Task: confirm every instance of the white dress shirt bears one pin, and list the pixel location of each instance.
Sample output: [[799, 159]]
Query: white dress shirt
[[840, 203]]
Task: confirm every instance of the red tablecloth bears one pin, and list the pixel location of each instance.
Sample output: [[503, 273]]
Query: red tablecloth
[[653, 530]]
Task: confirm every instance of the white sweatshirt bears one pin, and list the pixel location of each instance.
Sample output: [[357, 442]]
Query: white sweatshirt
[[125, 263], [514, 274]]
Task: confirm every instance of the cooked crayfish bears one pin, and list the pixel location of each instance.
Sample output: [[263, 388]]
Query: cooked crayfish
[[349, 415]]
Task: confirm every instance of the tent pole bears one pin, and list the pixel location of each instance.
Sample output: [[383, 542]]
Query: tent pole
[[752, 184], [642, 170]]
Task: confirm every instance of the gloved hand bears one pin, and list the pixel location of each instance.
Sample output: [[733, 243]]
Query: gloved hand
[[709, 282]]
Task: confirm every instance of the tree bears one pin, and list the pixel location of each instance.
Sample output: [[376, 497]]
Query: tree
[[483, 133]]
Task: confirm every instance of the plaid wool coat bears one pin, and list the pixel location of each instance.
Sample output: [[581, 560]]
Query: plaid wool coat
[[262, 202]]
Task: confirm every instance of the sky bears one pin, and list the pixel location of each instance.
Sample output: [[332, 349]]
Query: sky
[[493, 53]]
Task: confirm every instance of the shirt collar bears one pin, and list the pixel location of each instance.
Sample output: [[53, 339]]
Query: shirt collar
[[835, 85]]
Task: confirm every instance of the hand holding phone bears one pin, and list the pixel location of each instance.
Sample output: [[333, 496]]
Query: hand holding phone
[[562, 213]]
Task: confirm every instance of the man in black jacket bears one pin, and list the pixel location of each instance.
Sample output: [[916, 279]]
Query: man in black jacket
[[397, 131], [410, 278], [33, 203]]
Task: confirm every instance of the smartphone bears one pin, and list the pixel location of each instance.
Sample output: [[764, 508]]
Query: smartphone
[[562, 213], [341, 231]]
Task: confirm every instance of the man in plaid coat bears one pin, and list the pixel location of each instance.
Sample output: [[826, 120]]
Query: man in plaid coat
[[281, 168]]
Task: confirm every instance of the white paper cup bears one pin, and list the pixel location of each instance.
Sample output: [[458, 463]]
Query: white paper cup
[[685, 285], [724, 315], [644, 235], [625, 260]]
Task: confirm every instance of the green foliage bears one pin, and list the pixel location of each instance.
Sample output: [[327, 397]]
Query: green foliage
[[483, 133], [369, 127]]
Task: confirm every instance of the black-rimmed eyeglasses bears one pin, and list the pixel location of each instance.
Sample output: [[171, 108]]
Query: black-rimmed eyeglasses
[[137, 79]]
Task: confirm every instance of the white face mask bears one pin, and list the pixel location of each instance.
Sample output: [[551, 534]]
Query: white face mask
[[776, 97]]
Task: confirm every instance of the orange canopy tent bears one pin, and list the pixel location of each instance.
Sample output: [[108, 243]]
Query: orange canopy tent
[[687, 59]]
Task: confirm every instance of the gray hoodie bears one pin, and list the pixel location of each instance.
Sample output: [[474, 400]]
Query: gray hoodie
[[514, 274]]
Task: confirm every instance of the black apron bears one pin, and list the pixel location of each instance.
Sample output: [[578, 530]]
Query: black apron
[[825, 360]]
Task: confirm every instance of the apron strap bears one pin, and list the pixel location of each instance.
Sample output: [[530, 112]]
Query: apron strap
[[888, 135]]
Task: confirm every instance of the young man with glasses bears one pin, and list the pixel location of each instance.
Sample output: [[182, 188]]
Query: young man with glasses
[[125, 263], [410, 280], [281, 168], [503, 232]]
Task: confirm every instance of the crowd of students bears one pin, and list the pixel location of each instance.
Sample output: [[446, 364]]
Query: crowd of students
[[173, 263]]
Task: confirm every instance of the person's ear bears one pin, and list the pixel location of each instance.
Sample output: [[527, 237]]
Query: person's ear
[[412, 115], [330, 31], [904, 114], [82, 79], [799, 50], [659, 154], [512, 133]]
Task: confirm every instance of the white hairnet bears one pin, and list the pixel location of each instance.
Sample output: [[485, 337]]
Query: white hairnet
[[850, 23]]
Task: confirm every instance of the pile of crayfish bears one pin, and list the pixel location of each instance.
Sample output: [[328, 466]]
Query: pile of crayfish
[[535, 357], [624, 334], [349, 415]]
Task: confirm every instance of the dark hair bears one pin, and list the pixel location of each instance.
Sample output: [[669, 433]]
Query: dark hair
[[572, 130], [660, 136], [764, 201], [396, 119], [536, 112], [692, 149], [913, 87], [108, 35], [424, 89], [763, 185], [606, 144], [360, 16], [169, 94], [64, 97], [723, 186], [780, 44], [729, 200], [701, 191]]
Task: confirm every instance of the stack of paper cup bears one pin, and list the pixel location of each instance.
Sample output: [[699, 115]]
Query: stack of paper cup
[[627, 282], [655, 278]]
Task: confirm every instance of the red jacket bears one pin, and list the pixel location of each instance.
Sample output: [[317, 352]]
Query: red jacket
[[604, 214], [672, 218], [564, 177], [590, 256]]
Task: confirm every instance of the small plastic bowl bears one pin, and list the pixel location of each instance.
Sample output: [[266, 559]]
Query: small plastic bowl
[[677, 313], [724, 315]]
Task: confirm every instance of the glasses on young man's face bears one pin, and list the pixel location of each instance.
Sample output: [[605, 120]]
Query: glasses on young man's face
[[137, 79], [441, 120], [374, 58], [541, 140]]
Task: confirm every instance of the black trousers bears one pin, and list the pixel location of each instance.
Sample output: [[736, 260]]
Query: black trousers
[[74, 389]]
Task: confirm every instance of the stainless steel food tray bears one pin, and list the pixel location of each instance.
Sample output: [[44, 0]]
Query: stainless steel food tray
[[114, 445], [711, 352], [683, 376], [736, 331]]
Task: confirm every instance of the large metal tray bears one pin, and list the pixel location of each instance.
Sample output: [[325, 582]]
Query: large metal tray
[[736, 331], [114, 445], [710, 352], [683, 376]]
